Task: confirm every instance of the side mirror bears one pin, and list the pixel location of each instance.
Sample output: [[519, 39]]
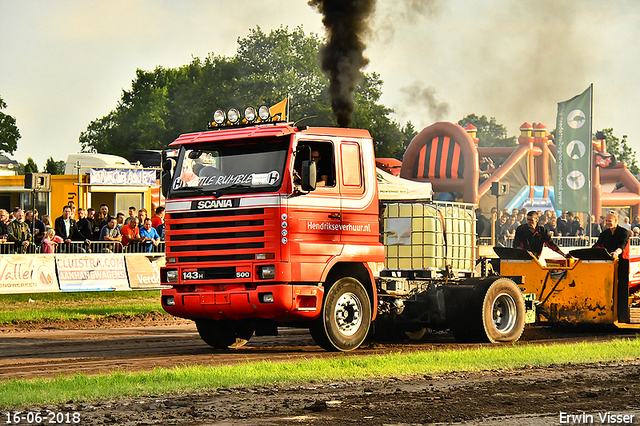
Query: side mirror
[[308, 178], [166, 176], [166, 183]]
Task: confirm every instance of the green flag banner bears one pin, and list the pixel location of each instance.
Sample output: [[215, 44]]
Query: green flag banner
[[573, 153]]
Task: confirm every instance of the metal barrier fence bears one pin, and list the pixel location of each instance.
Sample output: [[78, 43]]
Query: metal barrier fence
[[560, 241], [82, 247]]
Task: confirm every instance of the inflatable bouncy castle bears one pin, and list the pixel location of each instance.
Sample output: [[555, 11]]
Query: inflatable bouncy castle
[[448, 156]]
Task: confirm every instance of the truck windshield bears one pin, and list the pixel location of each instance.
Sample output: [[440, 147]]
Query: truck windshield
[[247, 166]]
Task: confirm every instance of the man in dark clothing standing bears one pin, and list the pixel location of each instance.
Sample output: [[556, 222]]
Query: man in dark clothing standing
[[533, 238], [67, 229], [615, 238], [85, 227]]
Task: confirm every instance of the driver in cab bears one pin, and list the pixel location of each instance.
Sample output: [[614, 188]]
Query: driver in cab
[[533, 238], [322, 178]]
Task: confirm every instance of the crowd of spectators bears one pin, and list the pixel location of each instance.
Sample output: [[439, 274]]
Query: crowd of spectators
[[567, 225], [82, 230]]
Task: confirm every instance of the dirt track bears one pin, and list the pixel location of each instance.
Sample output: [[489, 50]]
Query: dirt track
[[534, 396]]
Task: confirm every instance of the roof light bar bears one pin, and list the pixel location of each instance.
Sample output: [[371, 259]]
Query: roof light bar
[[233, 118]]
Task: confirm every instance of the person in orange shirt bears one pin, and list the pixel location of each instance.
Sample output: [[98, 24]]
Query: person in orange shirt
[[130, 232], [158, 219]]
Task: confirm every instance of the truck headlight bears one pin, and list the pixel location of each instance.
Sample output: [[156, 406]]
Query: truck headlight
[[267, 272], [265, 297], [172, 276]]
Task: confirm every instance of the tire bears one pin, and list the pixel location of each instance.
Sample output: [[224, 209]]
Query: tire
[[223, 334], [345, 318], [495, 313]]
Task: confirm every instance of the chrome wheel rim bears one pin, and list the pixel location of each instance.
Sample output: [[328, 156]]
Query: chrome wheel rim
[[348, 314], [504, 313]]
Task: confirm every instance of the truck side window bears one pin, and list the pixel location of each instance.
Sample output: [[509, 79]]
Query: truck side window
[[322, 155]]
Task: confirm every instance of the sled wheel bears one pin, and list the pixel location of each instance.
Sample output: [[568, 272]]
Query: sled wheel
[[495, 313]]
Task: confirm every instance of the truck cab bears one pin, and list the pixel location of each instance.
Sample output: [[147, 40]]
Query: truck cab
[[259, 234]]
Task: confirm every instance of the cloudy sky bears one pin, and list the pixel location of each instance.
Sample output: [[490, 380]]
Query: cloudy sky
[[64, 63]]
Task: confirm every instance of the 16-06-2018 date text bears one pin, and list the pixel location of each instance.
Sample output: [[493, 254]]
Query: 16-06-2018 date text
[[47, 417]]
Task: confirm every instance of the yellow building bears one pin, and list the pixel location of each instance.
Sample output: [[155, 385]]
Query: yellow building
[[90, 180]]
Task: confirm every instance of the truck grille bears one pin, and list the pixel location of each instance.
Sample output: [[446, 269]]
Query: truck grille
[[222, 235]]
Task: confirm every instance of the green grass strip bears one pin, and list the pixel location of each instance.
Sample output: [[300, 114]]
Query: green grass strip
[[74, 306], [82, 388]]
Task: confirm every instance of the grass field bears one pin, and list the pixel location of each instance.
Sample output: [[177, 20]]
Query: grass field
[[37, 307], [16, 394], [74, 306]]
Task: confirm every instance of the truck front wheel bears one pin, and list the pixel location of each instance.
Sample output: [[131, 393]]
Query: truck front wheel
[[495, 313], [346, 316], [223, 334]]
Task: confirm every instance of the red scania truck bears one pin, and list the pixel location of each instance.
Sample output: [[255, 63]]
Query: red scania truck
[[271, 225]]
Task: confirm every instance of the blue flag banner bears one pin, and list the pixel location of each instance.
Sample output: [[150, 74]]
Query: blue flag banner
[[574, 153]]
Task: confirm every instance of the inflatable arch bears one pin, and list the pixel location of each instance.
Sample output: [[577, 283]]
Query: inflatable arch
[[445, 155]]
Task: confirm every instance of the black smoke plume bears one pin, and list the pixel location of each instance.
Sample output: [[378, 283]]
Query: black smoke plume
[[342, 58]]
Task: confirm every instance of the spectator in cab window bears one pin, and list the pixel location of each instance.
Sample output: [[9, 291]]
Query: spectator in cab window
[[149, 235]]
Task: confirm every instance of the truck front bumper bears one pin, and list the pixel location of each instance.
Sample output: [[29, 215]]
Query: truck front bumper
[[278, 302]]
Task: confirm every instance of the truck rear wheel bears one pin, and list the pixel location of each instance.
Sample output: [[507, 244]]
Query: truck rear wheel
[[495, 313], [346, 316], [223, 334]]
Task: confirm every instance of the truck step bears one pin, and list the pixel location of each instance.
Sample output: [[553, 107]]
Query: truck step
[[634, 315]]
